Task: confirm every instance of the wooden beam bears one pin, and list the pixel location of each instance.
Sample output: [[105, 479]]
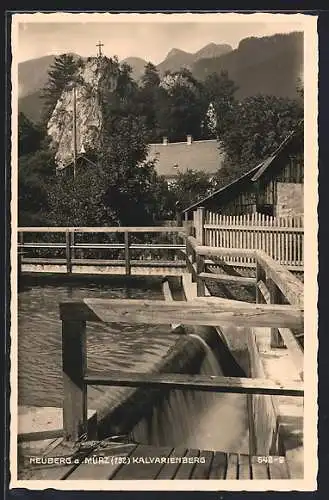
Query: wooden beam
[[275, 298], [264, 291], [115, 229], [290, 286], [225, 278], [74, 366], [209, 383], [127, 253], [295, 350], [222, 252], [271, 229], [210, 311], [68, 253]]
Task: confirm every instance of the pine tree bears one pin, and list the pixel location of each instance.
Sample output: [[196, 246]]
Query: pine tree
[[60, 74]]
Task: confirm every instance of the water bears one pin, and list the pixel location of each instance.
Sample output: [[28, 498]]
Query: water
[[193, 419], [112, 347], [198, 419]]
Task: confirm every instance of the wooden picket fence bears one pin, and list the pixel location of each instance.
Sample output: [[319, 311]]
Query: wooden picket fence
[[282, 238]]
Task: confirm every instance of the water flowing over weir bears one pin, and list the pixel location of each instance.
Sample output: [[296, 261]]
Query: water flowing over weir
[[197, 419]]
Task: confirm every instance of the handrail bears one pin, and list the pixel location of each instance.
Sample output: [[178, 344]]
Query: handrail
[[71, 246], [75, 314], [114, 229]]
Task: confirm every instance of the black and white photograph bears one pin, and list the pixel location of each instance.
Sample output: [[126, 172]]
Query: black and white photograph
[[162, 248]]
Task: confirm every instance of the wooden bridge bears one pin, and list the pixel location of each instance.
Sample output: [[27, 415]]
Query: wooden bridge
[[278, 309]]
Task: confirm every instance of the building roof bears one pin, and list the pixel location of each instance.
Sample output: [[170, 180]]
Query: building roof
[[178, 157], [246, 176], [253, 174]]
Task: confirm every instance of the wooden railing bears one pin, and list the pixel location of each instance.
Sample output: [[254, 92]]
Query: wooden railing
[[67, 248], [75, 315], [280, 237], [273, 283]]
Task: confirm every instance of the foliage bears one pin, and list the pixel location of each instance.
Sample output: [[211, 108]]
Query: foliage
[[190, 186], [29, 136], [35, 175], [253, 129], [124, 189], [60, 74], [80, 202], [181, 106]]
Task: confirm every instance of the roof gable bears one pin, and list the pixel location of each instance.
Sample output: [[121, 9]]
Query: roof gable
[[178, 157]]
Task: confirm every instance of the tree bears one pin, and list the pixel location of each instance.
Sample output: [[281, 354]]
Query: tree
[[181, 107], [191, 186], [60, 74], [29, 135], [220, 93], [80, 201], [258, 125], [35, 176], [148, 100]]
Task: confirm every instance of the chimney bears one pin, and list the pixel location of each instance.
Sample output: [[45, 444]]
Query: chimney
[[189, 139], [165, 141]]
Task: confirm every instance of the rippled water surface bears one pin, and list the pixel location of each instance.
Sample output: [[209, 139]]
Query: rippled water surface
[[115, 346]]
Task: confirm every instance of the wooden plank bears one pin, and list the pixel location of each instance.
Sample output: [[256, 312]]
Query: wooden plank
[[104, 262], [209, 383], [114, 229], [127, 256], [202, 470], [218, 466], [278, 468], [102, 463], [200, 267], [75, 390], [225, 278], [168, 297], [169, 470], [68, 253], [200, 224], [185, 470], [250, 228], [209, 311], [244, 467], [221, 252], [259, 469], [289, 285], [232, 466], [60, 462], [275, 298], [295, 350], [144, 463], [264, 291]]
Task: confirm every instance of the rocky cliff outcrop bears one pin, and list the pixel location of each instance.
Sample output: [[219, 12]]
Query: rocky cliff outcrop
[[89, 84]]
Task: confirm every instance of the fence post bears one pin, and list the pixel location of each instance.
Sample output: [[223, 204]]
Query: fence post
[[68, 252], [127, 256], [260, 276], [276, 339], [72, 246], [200, 225], [20, 251], [200, 284], [75, 390]]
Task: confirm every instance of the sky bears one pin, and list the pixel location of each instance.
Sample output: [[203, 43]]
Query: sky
[[148, 40]]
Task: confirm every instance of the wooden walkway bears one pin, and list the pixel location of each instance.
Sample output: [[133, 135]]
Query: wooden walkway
[[126, 461]]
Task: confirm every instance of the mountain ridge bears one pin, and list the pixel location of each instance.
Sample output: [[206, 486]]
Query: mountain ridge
[[267, 65]]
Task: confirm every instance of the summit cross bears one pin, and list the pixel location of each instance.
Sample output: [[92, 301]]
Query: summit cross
[[100, 45]]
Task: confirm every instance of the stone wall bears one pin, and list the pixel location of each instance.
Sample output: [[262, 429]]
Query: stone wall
[[290, 199]]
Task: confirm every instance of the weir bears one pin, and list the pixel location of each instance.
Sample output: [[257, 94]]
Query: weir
[[195, 419]]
